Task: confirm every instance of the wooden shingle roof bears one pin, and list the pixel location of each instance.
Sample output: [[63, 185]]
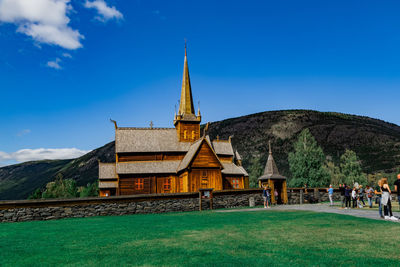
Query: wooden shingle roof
[[148, 140], [271, 170], [231, 168], [107, 171], [141, 167], [223, 147]]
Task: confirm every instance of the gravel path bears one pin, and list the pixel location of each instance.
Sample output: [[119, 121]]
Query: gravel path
[[363, 213]]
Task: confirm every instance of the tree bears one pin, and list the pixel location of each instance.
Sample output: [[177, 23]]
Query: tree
[[61, 188], [351, 170], [91, 190], [334, 173], [255, 171], [37, 194], [306, 162]]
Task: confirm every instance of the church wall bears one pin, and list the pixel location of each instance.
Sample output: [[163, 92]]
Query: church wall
[[205, 158], [126, 157]]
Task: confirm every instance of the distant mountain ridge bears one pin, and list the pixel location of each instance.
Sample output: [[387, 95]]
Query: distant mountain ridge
[[376, 142]]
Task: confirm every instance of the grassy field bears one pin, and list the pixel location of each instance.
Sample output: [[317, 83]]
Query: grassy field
[[209, 238]]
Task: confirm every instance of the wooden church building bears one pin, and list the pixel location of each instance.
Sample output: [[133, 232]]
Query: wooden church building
[[274, 180], [170, 160]]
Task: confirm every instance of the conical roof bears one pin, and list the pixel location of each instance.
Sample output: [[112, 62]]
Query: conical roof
[[186, 106], [271, 170]]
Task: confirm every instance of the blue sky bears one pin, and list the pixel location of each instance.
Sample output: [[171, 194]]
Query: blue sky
[[67, 66]]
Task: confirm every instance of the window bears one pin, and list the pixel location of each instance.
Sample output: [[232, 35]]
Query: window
[[185, 134], [193, 135], [204, 179], [235, 183], [139, 184], [167, 184]]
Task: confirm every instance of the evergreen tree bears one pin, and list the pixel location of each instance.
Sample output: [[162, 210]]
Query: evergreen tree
[[255, 171], [91, 190], [306, 162], [351, 168], [37, 194]]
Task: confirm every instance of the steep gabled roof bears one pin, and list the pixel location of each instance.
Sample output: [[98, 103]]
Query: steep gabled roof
[[148, 140], [222, 147], [191, 154]]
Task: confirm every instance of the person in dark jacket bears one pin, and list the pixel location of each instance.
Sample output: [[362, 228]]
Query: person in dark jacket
[[347, 195]]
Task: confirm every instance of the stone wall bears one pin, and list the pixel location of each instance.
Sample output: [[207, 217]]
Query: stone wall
[[28, 210]]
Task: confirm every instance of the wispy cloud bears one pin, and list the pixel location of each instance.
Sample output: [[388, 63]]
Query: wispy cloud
[[105, 12], [55, 64], [23, 132], [67, 55], [46, 21], [24, 155]]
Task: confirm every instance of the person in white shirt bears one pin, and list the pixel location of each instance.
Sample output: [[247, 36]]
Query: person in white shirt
[[354, 197]]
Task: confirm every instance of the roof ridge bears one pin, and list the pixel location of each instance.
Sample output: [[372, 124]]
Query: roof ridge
[[144, 128]]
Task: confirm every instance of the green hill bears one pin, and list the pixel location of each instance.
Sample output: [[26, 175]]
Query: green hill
[[376, 142]]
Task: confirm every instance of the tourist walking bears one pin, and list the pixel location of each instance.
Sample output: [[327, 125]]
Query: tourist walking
[[354, 197], [387, 203], [397, 188], [330, 194], [267, 197], [369, 191], [378, 194], [361, 194], [342, 188], [347, 195]]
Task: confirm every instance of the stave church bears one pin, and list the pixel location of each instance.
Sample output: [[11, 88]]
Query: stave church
[[172, 160]]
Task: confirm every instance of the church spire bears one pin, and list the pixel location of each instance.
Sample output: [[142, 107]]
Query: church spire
[[186, 104]]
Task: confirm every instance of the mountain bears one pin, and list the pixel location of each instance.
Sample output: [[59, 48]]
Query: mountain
[[377, 143]]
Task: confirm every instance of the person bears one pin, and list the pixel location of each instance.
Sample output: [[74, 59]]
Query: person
[[354, 197], [342, 188], [276, 196], [361, 195], [397, 188], [369, 191], [378, 194], [347, 195], [330, 194], [266, 197], [387, 204]]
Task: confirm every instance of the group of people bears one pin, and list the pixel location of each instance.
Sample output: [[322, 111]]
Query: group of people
[[353, 197]]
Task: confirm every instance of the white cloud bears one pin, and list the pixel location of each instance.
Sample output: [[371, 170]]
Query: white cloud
[[41, 154], [105, 12], [67, 55], [23, 132], [46, 21], [55, 64]]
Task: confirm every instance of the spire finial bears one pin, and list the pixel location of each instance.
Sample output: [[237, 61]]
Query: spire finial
[[151, 124], [269, 146], [185, 47]]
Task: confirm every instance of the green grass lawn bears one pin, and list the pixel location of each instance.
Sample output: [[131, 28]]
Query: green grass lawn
[[203, 238]]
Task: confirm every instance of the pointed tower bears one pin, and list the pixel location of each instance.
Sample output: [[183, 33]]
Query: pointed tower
[[187, 124], [271, 170]]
